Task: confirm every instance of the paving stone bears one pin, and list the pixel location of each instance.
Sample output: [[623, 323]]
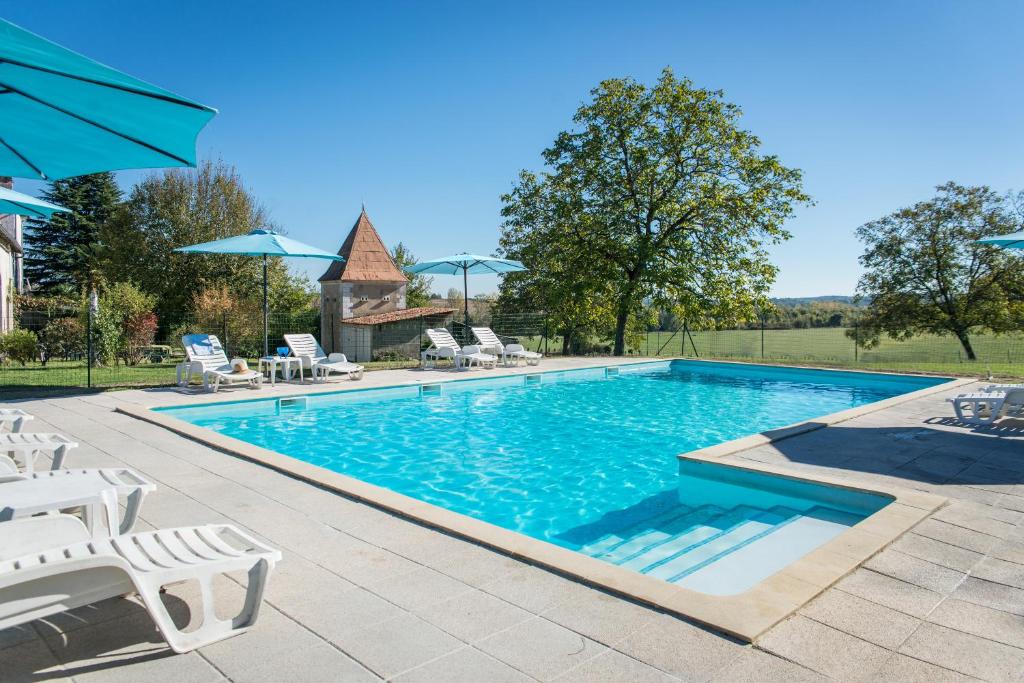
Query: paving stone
[[613, 667], [398, 645], [598, 615], [889, 592], [680, 648], [474, 615], [824, 649], [756, 666], [529, 587], [540, 648], [955, 535], [474, 565], [937, 552], [965, 653], [989, 594], [982, 518], [1000, 571], [420, 588], [985, 622], [128, 649], [285, 650], [466, 665], [17, 635], [903, 669], [861, 618], [335, 615], [1010, 551], [916, 571], [30, 661]]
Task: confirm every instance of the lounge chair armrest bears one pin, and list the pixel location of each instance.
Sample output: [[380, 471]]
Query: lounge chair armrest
[[336, 358], [514, 348], [443, 352]]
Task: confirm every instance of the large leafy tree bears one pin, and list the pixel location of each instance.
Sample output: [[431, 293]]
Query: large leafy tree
[[176, 208], [58, 254], [926, 274], [655, 195], [417, 292]]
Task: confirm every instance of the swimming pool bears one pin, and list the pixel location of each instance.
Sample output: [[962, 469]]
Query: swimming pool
[[586, 459]]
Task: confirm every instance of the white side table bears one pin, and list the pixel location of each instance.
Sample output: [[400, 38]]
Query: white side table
[[285, 362]]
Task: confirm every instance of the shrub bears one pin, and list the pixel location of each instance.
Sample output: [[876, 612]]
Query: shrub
[[19, 345], [125, 323], [62, 338]]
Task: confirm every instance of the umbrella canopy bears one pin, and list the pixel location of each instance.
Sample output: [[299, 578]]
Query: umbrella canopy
[[467, 264], [1015, 240], [261, 243], [26, 205], [62, 114]]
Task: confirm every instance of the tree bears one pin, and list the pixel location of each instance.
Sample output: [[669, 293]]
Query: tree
[[925, 274], [656, 195], [56, 248], [417, 292], [176, 208]]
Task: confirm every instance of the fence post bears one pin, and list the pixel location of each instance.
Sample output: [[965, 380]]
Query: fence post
[[545, 334], [856, 340], [88, 347], [224, 328], [419, 348], [762, 336]]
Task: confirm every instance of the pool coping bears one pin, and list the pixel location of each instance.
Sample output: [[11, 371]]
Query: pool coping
[[745, 615]]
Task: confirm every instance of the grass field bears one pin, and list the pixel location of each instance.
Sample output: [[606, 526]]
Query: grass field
[[1001, 356]]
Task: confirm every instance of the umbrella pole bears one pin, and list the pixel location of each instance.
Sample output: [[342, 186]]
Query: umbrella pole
[[465, 302], [266, 310]]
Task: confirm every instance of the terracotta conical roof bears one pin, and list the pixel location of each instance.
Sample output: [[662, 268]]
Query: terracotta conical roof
[[366, 257]]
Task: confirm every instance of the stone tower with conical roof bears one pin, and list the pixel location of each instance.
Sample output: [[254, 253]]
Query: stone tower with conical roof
[[367, 282]]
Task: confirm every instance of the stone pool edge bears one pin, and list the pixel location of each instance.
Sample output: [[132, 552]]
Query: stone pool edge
[[745, 615]]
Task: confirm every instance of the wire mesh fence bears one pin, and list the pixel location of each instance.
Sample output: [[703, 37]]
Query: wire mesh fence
[[62, 349]]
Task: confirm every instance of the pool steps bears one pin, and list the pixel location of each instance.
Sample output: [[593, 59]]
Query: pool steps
[[683, 544]]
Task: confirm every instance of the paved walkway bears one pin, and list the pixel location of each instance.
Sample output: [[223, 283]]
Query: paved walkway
[[363, 595]]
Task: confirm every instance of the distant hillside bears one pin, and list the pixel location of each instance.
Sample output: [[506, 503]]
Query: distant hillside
[[804, 300]]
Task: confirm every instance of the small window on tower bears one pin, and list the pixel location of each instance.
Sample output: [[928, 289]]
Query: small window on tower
[[364, 298], [387, 298]]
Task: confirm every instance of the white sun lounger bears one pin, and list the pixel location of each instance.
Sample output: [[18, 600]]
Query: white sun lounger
[[25, 447], [443, 345], [511, 354], [95, 491], [51, 564], [308, 349], [984, 408], [206, 357], [13, 419]]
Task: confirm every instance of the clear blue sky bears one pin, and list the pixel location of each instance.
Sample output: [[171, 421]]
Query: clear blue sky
[[426, 111]]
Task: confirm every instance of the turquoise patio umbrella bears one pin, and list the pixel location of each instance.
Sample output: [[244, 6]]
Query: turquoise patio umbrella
[[467, 264], [261, 243], [63, 114], [1015, 240], [27, 205]]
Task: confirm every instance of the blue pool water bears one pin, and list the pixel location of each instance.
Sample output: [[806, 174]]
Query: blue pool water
[[587, 459]]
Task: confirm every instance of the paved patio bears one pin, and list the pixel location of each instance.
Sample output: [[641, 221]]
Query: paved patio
[[364, 595]]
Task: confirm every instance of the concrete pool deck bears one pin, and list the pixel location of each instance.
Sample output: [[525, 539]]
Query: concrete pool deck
[[362, 594]]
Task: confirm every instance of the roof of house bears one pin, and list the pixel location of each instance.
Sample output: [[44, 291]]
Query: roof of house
[[366, 257], [395, 316]]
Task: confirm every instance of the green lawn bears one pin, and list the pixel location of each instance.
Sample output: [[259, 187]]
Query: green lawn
[[1002, 356]]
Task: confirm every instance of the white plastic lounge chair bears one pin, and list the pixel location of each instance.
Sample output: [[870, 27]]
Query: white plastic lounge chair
[[511, 354], [25, 447], [443, 345], [306, 347], [95, 491], [51, 564], [13, 419], [207, 358], [984, 408]]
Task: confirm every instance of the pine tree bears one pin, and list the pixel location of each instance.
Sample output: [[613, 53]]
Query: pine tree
[[57, 254]]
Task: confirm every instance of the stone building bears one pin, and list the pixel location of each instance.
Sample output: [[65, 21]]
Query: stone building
[[363, 309], [10, 262]]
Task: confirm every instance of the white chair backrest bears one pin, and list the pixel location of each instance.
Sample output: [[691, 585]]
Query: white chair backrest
[[1014, 397], [304, 345], [486, 337], [204, 349], [443, 339]]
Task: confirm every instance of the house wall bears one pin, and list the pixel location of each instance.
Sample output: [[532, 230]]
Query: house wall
[[356, 342], [10, 270]]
